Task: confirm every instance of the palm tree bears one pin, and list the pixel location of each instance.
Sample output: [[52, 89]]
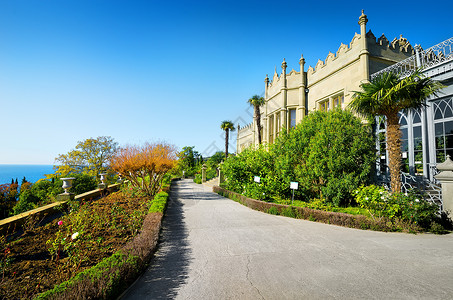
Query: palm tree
[[256, 101], [227, 126], [386, 95]]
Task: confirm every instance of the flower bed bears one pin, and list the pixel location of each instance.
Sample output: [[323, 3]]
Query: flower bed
[[328, 217], [97, 246]]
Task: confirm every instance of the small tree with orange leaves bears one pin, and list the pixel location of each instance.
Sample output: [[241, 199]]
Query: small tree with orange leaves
[[145, 166]]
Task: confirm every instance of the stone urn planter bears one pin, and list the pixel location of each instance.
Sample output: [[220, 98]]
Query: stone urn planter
[[67, 184], [103, 184]]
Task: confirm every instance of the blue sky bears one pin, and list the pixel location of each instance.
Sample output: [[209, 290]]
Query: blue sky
[[152, 70]]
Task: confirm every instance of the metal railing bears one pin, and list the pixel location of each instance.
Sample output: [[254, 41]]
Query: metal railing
[[431, 191], [422, 59]]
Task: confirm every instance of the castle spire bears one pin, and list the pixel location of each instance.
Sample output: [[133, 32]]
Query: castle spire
[[363, 19], [266, 86], [302, 60], [284, 66]]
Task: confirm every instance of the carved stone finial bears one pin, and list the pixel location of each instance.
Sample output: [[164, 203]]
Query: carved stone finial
[[402, 41], [284, 65], [266, 80], [302, 60], [363, 19]]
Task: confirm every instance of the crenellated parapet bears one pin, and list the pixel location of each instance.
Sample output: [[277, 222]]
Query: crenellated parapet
[[247, 127], [398, 44], [377, 47]]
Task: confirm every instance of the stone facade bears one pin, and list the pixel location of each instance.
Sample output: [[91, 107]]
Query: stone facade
[[289, 96]]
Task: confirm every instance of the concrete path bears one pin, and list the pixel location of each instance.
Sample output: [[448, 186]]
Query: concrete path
[[215, 248]]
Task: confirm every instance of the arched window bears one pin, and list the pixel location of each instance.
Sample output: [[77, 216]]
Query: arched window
[[404, 142], [443, 128]]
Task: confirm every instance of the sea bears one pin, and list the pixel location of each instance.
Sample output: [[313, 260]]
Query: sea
[[32, 173]]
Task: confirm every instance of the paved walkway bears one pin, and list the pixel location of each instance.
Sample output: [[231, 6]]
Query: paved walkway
[[215, 248]]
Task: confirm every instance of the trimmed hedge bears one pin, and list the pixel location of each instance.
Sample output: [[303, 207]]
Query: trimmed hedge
[[327, 217], [110, 277]]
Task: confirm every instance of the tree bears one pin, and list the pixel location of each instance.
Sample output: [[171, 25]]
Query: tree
[[8, 196], [330, 154], [257, 101], [145, 166], [215, 159], [386, 95], [90, 156], [227, 126]]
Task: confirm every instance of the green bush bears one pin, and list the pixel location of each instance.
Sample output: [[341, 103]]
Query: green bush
[[330, 154], [27, 201], [159, 202], [83, 183], [273, 211], [410, 207], [197, 178], [241, 169]]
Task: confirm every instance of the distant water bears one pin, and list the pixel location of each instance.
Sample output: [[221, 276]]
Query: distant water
[[31, 172]]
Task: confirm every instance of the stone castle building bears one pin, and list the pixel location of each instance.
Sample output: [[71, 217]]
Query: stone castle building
[[289, 96]]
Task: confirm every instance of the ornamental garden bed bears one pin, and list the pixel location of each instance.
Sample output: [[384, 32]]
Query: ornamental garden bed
[[107, 232], [354, 218]]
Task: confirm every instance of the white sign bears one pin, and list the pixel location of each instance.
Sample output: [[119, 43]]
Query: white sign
[[257, 179], [404, 155], [294, 185]]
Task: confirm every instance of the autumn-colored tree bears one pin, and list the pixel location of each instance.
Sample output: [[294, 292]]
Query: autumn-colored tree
[[145, 166], [90, 157]]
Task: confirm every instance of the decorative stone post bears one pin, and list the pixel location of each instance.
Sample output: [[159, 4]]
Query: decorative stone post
[[284, 92], [446, 179], [67, 184], [221, 178], [203, 173], [103, 184], [364, 53]]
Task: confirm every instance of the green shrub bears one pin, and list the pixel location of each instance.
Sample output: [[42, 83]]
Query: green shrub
[[27, 201], [241, 169], [83, 183], [197, 178], [273, 210], [288, 212], [159, 202], [410, 207], [330, 154]]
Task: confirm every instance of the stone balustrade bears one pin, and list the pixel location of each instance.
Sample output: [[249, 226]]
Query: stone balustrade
[[14, 223]]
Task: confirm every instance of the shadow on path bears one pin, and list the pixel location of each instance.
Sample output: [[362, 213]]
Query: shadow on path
[[168, 269]]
